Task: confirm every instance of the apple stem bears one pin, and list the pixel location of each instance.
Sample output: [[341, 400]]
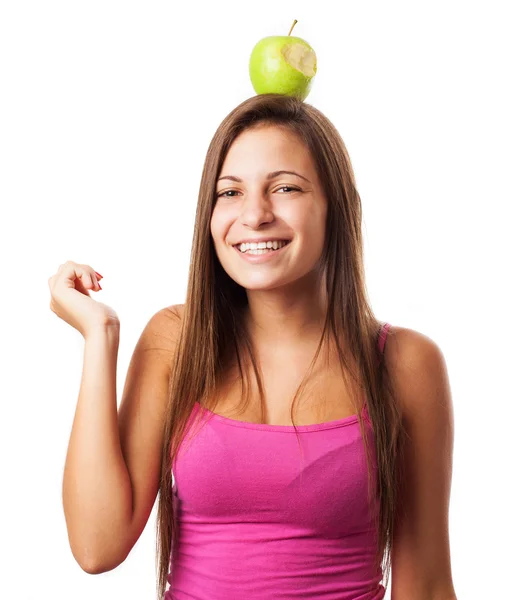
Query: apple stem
[[294, 23]]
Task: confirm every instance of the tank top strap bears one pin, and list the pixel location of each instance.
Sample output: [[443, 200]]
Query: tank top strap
[[381, 343], [382, 337]]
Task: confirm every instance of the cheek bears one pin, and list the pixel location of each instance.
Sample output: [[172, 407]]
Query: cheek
[[218, 225], [310, 224], [318, 223]]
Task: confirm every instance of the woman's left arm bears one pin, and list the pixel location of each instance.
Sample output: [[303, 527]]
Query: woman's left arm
[[420, 554]]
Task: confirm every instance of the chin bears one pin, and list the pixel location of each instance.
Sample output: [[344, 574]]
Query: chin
[[258, 283]]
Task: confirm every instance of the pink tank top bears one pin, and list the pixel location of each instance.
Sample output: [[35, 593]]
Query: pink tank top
[[258, 520]]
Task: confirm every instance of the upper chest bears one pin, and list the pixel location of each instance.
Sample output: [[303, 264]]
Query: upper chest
[[324, 397]]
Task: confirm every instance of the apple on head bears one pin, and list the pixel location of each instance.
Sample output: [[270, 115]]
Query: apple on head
[[283, 64]]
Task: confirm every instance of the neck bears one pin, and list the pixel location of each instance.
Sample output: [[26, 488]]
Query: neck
[[287, 318]]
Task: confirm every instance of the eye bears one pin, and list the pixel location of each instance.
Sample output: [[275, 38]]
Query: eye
[[288, 187], [293, 189], [226, 192]]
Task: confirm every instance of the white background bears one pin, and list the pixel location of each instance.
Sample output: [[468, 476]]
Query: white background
[[107, 110]]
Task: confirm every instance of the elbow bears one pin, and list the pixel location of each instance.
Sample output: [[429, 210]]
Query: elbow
[[92, 568], [95, 565], [95, 559], [89, 564]]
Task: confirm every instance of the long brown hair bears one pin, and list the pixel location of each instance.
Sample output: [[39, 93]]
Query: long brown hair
[[212, 332]]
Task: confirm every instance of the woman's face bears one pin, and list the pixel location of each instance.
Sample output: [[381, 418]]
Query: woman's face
[[256, 202]]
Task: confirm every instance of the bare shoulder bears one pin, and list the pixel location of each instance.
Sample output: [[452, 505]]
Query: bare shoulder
[[175, 311], [169, 317], [409, 341], [162, 331], [417, 368]]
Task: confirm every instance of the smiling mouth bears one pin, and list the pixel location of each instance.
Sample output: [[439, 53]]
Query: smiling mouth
[[258, 251]]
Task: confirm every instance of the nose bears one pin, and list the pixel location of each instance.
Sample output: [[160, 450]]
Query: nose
[[256, 210]]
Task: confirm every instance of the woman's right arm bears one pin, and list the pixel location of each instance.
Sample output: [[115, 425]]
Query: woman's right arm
[[112, 468]]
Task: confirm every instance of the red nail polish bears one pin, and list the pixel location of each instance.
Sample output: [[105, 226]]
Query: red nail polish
[[101, 276]]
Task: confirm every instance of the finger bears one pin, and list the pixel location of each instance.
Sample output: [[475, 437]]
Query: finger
[[95, 281], [87, 280], [79, 278]]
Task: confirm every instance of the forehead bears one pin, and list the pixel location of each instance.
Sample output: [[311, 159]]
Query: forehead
[[266, 148]]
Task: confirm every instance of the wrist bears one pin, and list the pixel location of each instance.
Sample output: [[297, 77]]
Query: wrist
[[105, 330]]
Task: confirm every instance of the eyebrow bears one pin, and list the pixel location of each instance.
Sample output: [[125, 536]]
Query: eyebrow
[[271, 175]]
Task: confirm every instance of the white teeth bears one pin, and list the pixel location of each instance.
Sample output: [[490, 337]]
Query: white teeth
[[261, 247]]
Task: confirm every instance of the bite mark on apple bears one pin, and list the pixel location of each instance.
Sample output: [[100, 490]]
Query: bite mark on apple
[[301, 58]]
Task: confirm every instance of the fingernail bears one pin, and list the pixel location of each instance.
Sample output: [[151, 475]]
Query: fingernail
[[101, 276]]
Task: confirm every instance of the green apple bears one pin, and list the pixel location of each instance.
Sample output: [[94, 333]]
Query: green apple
[[283, 64]]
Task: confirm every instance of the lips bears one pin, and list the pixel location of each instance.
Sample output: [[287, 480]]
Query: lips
[[264, 257]]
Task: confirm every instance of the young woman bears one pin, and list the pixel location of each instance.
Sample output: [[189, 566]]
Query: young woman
[[301, 447]]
